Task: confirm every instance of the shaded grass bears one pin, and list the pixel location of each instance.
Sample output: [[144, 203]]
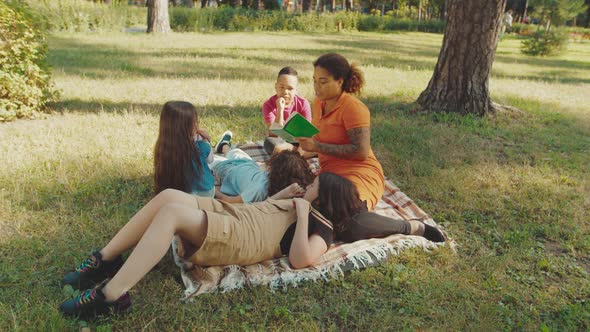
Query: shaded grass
[[511, 189]]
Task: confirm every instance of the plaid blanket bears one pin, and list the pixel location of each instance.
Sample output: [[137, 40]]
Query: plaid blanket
[[341, 257]]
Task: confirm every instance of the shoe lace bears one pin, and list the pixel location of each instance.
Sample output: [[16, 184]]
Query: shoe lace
[[87, 264], [86, 297]]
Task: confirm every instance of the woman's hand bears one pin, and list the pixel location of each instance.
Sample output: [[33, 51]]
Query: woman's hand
[[308, 144]]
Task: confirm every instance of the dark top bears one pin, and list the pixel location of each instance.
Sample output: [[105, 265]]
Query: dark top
[[315, 227]]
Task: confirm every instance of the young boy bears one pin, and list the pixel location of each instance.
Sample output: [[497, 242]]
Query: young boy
[[284, 102]]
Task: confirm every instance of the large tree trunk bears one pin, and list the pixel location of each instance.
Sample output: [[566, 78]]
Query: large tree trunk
[[158, 21], [461, 76], [306, 6]]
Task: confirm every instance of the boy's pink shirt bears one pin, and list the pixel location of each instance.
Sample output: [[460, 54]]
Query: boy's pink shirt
[[299, 105]]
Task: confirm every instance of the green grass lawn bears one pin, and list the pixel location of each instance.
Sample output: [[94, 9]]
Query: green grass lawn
[[513, 190]]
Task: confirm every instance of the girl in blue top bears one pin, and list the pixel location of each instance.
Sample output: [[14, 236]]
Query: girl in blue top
[[182, 152]]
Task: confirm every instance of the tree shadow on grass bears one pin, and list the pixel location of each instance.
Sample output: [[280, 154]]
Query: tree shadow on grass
[[245, 120], [107, 106], [74, 58], [417, 144], [544, 62]]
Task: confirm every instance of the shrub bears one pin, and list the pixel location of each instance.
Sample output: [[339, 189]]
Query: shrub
[[25, 87], [523, 29], [239, 19], [544, 43], [84, 15], [370, 23]]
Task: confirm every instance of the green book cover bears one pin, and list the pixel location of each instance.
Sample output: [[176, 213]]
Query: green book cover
[[295, 126]]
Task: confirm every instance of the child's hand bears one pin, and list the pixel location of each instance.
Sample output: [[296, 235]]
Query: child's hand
[[280, 104], [301, 206], [204, 134]]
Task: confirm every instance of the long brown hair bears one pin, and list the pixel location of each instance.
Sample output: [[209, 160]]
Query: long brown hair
[[175, 150], [285, 168], [338, 200], [339, 68]]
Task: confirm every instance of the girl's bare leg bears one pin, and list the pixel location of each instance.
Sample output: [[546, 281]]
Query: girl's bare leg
[[189, 223], [129, 235]]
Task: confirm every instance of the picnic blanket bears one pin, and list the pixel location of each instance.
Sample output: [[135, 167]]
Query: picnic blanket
[[341, 257]]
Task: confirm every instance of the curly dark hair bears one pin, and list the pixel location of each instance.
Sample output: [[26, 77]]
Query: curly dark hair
[[339, 68], [286, 168], [338, 200]]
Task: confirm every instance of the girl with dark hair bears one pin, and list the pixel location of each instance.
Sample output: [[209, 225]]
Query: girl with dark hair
[[182, 152], [343, 144], [212, 233]]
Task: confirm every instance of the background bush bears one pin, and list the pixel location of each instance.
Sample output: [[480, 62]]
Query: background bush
[[84, 15], [25, 87], [239, 19], [545, 43]]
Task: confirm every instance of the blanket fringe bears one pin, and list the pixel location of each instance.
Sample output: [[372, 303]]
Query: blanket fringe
[[282, 276]]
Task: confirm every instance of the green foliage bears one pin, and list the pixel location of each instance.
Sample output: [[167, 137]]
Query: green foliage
[[544, 43], [83, 15], [523, 29], [25, 87], [558, 11], [240, 19], [370, 23], [388, 23]]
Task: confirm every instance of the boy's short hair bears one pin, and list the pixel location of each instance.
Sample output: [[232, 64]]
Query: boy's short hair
[[287, 71]]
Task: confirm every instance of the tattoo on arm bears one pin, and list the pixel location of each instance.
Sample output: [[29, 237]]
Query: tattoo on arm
[[358, 148]]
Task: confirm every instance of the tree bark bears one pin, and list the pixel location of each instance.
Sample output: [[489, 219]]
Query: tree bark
[[461, 76], [306, 6], [158, 21]]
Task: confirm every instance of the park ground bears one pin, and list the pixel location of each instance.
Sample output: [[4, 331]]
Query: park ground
[[512, 189]]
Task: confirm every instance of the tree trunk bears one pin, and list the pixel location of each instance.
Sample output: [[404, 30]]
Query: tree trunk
[[461, 76], [158, 21], [526, 8], [306, 6], [420, 10]]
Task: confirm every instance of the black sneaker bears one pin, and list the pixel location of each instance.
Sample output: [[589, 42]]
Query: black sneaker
[[91, 303], [433, 234], [92, 271], [225, 139]]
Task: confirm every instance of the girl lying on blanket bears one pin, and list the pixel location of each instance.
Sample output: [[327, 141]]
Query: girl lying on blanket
[[215, 233], [243, 180]]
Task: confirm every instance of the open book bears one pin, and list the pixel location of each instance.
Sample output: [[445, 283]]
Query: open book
[[295, 126]]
